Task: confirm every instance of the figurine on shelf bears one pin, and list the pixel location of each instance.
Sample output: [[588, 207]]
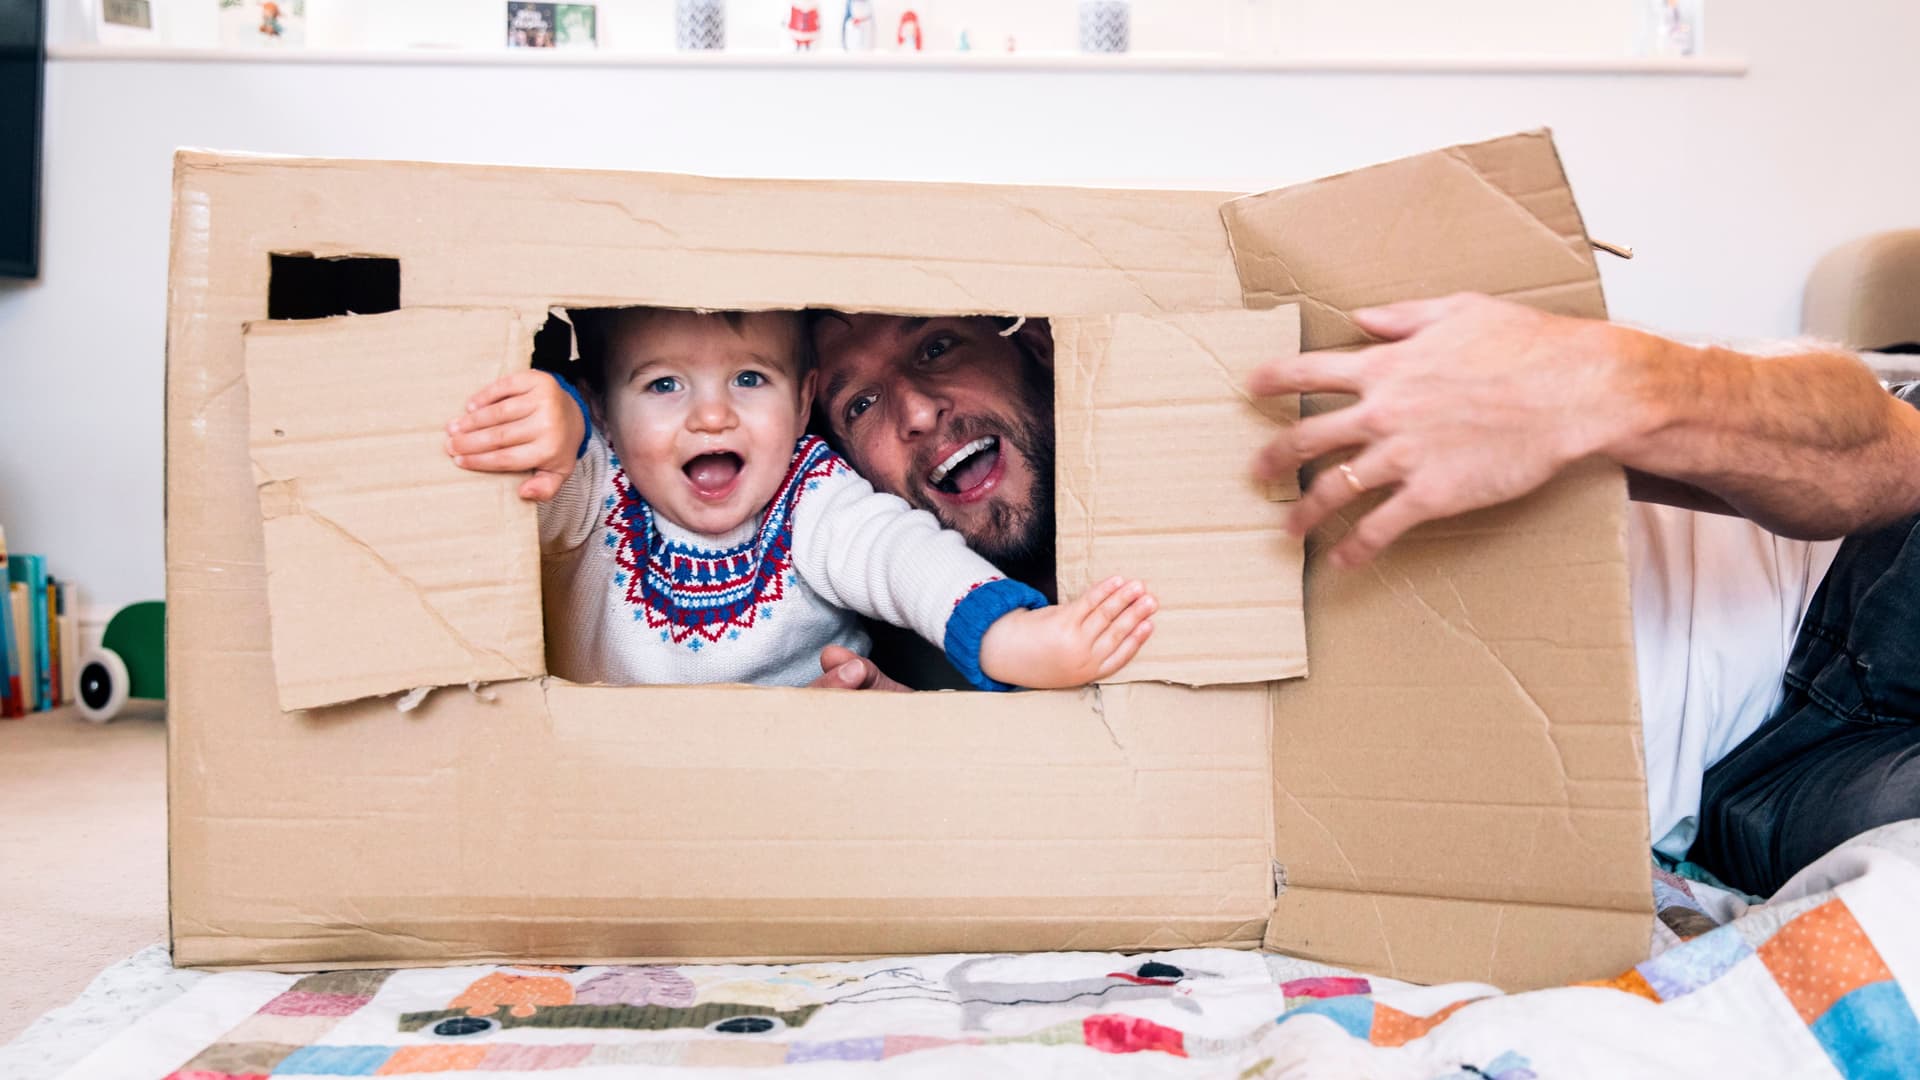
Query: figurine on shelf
[[274, 23], [1105, 26], [909, 30], [965, 43], [803, 26], [700, 25], [856, 27]]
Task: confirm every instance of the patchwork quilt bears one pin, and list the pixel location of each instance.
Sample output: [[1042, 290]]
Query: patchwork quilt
[[1820, 982]]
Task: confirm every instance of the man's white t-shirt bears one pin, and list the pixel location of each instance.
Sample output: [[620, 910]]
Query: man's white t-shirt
[[1717, 601]]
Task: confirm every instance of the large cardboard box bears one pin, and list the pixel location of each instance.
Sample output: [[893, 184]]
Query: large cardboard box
[[1454, 793]]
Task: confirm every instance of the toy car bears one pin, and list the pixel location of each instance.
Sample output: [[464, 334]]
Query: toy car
[[131, 662]]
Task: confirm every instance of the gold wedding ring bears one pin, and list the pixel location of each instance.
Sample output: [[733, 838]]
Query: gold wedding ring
[[1353, 481]]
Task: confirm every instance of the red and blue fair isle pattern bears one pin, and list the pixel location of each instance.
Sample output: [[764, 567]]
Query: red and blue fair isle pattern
[[697, 597]]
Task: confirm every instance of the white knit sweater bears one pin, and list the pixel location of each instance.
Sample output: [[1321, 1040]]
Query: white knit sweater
[[634, 598]]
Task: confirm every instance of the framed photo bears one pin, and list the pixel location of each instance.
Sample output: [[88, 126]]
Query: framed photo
[[576, 26], [124, 22], [530, 26]]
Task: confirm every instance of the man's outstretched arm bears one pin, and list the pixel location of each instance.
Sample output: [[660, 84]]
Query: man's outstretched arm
[[1474, 401]]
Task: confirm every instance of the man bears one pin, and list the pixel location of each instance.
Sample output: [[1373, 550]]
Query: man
[[954, 415], [1471, 402]]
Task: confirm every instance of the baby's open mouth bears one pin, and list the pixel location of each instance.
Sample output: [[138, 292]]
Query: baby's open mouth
[[966, 468], [713, 475]]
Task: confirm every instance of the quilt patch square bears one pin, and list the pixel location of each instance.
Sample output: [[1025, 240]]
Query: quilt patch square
[[1693, 964], [1353, 1014], [1872, 1033], [334, 1061], [1820, 957]]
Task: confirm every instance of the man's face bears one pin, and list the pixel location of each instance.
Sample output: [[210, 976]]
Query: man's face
[[950, 416]]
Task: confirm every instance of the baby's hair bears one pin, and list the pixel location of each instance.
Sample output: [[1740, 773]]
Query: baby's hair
[[593, 328]]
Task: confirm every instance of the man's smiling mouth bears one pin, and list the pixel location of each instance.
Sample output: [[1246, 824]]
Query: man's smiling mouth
[[970, 471]]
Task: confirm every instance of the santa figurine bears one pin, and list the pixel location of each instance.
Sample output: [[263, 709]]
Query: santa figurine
[[803, 26], [856, 28], [909, 31]]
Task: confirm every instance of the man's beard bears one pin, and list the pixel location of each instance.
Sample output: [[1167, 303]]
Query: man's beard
[[1018, 539]]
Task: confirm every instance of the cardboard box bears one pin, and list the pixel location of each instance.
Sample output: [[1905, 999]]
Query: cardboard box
[[1455, 792]]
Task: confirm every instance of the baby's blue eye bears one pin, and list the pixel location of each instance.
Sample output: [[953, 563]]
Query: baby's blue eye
[[666, 384], [749, 379]]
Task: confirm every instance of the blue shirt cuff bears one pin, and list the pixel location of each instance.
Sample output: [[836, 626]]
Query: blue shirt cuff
[[573, 392], [975, 612]]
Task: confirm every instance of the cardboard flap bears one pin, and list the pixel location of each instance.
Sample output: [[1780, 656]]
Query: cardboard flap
[[388, 568], [1155, 430], [1494, 217]]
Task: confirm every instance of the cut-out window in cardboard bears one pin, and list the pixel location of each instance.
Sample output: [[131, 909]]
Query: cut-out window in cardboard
[[384, 554]]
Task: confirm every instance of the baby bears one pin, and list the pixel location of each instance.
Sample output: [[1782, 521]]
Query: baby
[[706, 538]]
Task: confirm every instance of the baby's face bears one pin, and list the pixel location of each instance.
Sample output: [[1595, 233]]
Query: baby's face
[[705, 417]]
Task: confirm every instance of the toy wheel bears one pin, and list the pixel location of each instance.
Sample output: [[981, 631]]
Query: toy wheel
[[103, 685]]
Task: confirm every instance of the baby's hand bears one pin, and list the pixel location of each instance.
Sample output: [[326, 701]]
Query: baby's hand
[[522, 423], [1073, 644]]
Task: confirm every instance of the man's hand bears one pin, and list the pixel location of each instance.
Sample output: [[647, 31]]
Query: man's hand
[[1071, 644], [1472, 402], [521, 423], [843, 669]]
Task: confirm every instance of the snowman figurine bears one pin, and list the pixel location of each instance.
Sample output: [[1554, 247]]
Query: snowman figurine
[[803, 26], [856, 27]]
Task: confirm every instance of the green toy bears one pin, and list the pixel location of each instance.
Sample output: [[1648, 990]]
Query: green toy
[[131, 662]]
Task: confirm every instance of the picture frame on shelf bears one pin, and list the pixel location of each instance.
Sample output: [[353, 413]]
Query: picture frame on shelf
[[576, 26], [124, 22], [531, 25]]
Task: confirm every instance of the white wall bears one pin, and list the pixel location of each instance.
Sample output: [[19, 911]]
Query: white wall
[[1729, 188]]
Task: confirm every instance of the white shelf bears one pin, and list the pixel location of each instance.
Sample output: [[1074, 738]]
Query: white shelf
[[834, 60]]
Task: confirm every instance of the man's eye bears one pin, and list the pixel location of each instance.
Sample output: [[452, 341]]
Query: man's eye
[[749, 379], [861, 403], [666, 384], [935, 348]]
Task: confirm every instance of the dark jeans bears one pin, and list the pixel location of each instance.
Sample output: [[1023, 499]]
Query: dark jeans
[[1841, 754]]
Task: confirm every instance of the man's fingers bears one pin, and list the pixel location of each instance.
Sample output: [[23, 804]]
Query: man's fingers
[[498, 437], [843, 669], [505, 410], [1309, 439], [1385, 524], [1128, 649], [1409, 317], [1320, 372], [1338, 485]]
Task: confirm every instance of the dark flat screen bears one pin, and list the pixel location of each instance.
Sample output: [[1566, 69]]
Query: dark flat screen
[[22, 64]]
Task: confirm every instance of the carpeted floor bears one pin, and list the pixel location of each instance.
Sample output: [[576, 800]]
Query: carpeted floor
[[83, 852]]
